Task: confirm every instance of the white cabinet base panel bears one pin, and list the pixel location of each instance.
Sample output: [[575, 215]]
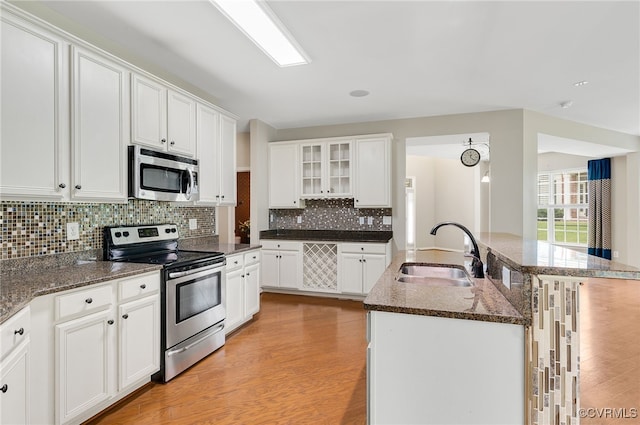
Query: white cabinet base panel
[[435, 370]]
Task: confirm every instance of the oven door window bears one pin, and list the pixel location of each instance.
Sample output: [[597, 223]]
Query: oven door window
[[198, 295], [162, 179]]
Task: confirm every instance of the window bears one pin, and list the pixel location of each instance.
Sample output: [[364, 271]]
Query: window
[[563, 207]]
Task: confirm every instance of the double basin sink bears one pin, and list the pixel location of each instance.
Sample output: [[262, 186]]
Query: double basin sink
[[432, 275]]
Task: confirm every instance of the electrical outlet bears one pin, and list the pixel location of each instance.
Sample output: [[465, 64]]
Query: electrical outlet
[[370, 221], [299, 219], [386, 220], [616, 254], [361, 220], [193, 223], [506, 277], [73, 231], [271, 218]]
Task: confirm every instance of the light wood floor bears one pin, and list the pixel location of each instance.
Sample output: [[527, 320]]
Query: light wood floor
[[301, 362], [610, 347]]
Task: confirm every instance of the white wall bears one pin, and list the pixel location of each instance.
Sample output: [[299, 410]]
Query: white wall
[[260, 134], [553, 161], [423, 169], [243, 151]]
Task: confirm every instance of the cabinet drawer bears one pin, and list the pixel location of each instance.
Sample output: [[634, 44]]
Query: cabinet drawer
[[281, 245], [139, 286], [251, 257], [84, 301], [14, 331], [364, 248], [235, 262]]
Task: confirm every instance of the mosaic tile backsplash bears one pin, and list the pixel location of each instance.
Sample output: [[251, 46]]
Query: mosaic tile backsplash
[[31, 229], [329, 214]]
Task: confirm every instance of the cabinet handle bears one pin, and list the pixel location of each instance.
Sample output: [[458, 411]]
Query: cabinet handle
[[164, 140], [89, 300], [247, 274], [172, 143], [222, 196], [19, 331], [217, 196], [254, 257], [125, 316], [110, 322], [143, 286], [364, 260], [294, 202], [62, 185], [4, 388], [357, 200], [242, 276], [78, 187]]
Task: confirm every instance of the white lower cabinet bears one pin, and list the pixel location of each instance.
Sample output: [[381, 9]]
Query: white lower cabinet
[[281, 264], [14, 370], [85, 351], [361, 265], [92, 346], [440, 370], [139, 340], [242, 288]]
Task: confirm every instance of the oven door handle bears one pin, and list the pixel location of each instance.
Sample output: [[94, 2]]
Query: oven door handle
[[176, 275], [196, 342]]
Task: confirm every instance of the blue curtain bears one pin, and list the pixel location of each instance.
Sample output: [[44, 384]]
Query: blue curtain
[[599, 176]]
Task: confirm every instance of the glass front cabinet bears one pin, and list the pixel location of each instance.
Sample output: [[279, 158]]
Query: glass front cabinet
[[327, 169]]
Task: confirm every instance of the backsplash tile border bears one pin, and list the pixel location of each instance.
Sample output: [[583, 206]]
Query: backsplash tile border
[[29, 229]]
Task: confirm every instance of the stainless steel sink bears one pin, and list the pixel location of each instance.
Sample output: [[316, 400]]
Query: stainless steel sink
[[433, 275]]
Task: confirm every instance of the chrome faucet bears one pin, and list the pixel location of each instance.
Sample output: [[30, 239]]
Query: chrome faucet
[[477, 268]]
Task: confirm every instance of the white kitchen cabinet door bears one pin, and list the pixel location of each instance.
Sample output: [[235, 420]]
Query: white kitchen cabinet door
[[34, 107], [289, 266], [283, 176], [139, 334], [351, 272], [100, 105], [373, 266], [14, 386], [227, 158], [149, 113], [84, 366], [208, 132], [181, 123], [326, 169], [234, 301], [252, 289], [373, 173], [269, 263]]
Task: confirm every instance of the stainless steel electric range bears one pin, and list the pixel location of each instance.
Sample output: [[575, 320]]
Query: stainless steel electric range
[[192, 292]]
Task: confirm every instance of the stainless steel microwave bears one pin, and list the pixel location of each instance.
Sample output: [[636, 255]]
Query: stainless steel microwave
[[161, 176]]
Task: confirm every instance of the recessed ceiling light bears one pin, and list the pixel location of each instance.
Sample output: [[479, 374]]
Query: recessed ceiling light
[[566, 104], [359, 93], [581, 83], [262, 26]]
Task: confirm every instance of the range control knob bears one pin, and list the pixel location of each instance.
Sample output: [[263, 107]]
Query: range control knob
[[167, 230], [125, 234], [173, 230], [117, 234]]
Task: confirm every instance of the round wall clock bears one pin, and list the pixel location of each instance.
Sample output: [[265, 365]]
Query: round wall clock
[[470, 157]]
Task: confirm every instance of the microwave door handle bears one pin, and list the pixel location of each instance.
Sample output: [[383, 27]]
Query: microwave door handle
[[190, 185]]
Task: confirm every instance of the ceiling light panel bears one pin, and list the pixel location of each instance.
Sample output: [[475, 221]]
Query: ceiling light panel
[[261, 25]]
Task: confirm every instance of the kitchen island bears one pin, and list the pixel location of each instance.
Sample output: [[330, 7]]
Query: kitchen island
[[541, 283]]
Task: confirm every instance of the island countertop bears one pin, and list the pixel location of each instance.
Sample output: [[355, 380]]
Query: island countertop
[[482, 301], [543, 258]]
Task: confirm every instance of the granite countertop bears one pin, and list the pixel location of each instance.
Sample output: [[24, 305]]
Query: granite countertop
[[328, 235], [482, 301], [21, 280], [19, 287], [542, 258]]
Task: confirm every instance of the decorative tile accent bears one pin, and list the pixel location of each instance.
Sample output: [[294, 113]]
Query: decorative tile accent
[[39, 228], [554, 351], [320, 266], [322, 214]]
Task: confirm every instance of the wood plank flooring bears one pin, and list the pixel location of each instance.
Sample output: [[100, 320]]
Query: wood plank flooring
[[301, 362], [610, 349]]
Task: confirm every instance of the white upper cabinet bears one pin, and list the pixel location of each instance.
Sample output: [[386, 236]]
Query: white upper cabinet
[[326, 169], [373, 172], [216, 143], [34, 111], [162, 118], [100, 127], [284, 182]]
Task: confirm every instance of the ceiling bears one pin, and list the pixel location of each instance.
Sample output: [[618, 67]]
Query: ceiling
[[416, 58]]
